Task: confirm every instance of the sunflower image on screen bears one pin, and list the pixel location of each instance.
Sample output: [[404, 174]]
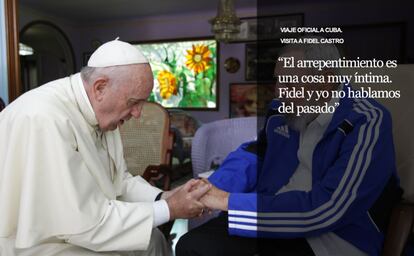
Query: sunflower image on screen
[[184, 73]]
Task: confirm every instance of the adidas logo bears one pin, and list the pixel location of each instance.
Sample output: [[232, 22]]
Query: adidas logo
[[282, 130]]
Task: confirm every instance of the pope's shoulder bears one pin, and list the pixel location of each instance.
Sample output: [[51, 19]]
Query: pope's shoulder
[[49, 101]]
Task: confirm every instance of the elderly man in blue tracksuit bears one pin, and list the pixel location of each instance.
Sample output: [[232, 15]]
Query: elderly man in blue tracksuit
[[322, 184]]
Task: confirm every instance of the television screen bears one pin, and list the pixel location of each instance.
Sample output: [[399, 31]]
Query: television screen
[[185, 73]]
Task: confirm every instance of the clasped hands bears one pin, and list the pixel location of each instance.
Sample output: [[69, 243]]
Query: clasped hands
[[194, 198]]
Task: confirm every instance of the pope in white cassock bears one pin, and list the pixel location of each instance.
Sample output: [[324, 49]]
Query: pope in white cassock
[[64, 187]]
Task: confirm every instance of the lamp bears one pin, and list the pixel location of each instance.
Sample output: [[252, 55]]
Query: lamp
[[226, 25], [25, 50]]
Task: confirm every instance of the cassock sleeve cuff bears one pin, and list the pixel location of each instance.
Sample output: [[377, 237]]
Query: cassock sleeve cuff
[[161, 213]]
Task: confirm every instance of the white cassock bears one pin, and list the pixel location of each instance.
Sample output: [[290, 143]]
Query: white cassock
[[64, 188]]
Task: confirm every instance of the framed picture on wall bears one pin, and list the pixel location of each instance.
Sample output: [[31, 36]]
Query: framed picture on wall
[[250, 99], [185, 73], [267, 27], [261, 60], [186, 125]]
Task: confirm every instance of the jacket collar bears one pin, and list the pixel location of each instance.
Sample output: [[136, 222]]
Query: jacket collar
[[341, 112]]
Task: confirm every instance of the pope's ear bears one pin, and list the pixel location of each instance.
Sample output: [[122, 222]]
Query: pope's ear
[[100, 87]]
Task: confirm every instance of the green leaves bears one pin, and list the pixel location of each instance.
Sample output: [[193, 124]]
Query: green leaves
[[151, 97]]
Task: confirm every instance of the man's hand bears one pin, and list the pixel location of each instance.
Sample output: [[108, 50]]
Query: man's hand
[[184, 202], [215, 198]]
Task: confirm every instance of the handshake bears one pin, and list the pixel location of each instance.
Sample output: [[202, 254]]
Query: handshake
[[194, 198]]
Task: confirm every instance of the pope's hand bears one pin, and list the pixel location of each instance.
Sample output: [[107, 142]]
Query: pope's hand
[[185, 202], [167, 194]]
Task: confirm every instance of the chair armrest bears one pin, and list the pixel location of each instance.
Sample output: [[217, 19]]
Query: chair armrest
[[399, 228], [154, 173]]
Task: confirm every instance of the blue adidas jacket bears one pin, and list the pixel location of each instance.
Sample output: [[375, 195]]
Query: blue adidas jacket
[[352, 164]]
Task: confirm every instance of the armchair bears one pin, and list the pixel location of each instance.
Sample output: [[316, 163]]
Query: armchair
[[147, 143], [214, 141]]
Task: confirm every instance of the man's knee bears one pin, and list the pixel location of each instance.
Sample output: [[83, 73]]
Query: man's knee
[[188, 245], [181, 248]]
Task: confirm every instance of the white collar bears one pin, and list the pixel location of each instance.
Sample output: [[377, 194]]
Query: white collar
[[85, 96]]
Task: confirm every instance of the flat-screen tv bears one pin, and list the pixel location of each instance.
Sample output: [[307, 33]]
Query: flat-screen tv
[[185, 73]]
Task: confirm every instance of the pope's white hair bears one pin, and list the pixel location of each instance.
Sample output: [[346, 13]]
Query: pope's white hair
[[114, 73], [87, 73]]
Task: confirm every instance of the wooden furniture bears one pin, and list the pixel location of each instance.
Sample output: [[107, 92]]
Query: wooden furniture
[[185, 127], [147, 143]]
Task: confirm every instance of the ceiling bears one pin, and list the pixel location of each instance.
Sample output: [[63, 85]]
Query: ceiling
[[99, 10]]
